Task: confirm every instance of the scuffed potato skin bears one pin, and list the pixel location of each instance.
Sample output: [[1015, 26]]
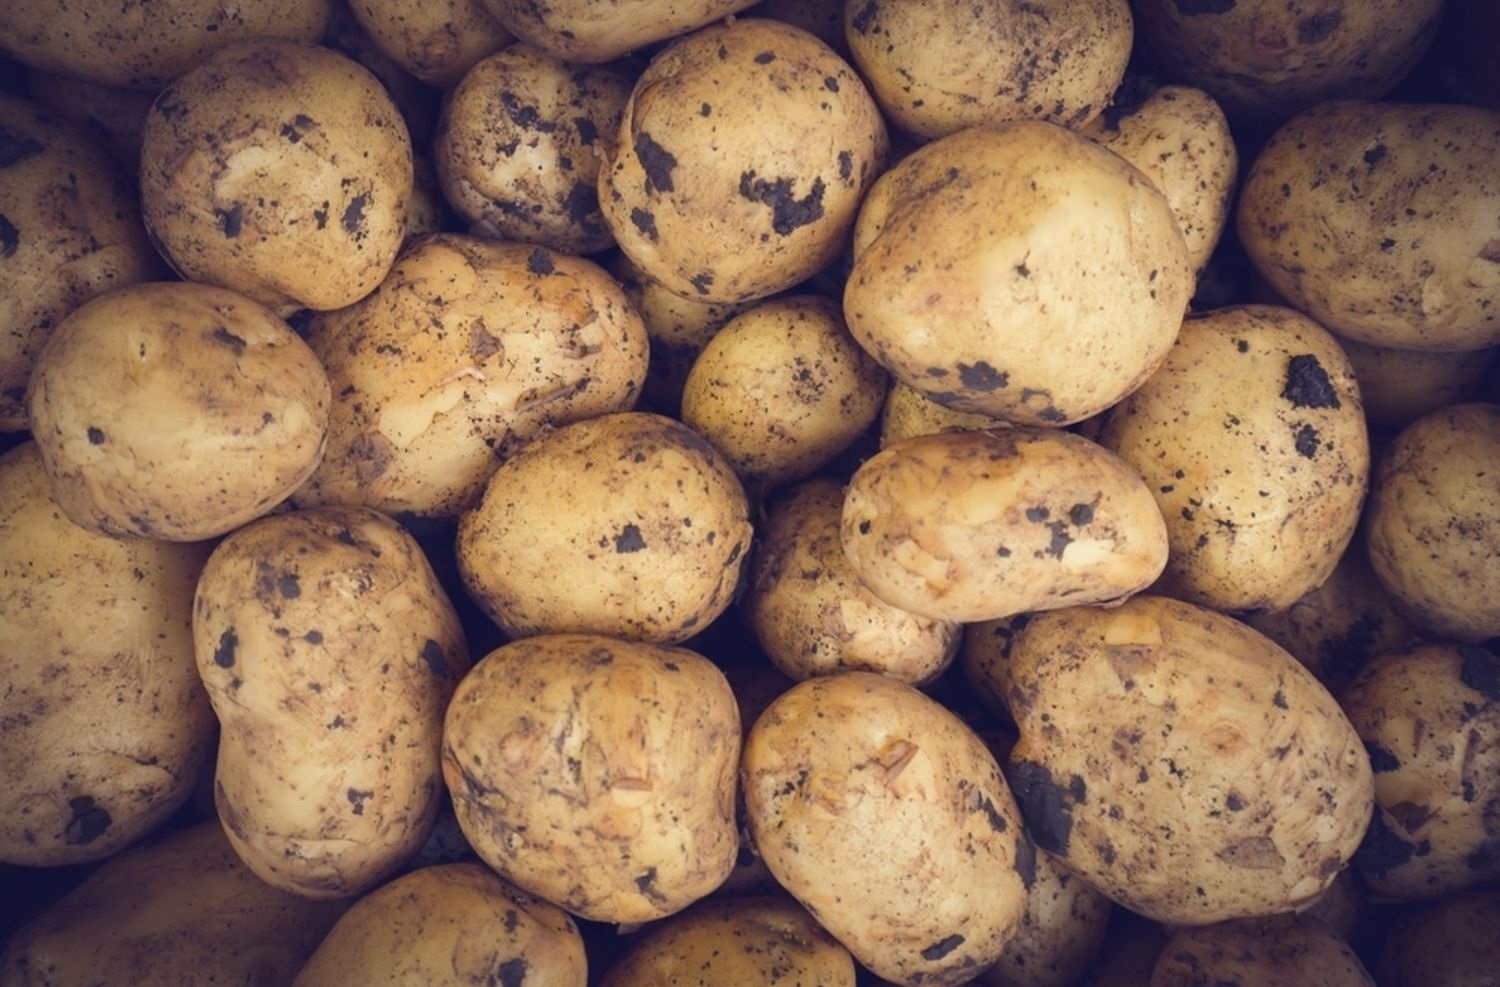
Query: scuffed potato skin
[[329, 651], [1250, 952], [1181, 763], [597, 773]]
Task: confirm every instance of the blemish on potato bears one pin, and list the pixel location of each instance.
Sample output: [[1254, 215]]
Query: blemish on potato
[[788, 213], [95, 436], [540, 262], [942, 947], [1046, 806], [89, 822], [224, 652], [1480, 671], [645, 222], [1383, 849], [981, 376], [656, 161], [1308, 385], [10, 237], [1381, 760], [230, 220], [354, 213], [513, 972], [357, 798], [435, 658]]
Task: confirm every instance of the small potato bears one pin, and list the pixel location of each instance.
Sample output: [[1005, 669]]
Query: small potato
[[597, 773], [1398, 386], [450, 924], [1429, 716], [329, 651], [586, 31], [889, 820], [436, 42], [1265, 952], [940, 66], [810, 612], [1379, 220], [1060, 934], [908, 412], [628, 524], [782, 389], [1450, 942], [176, 410], [1433, 528], [279, 170], [977, 525]]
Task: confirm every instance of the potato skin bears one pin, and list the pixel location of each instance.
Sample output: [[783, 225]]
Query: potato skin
[[1259, 953], [78, 791], [329, 651], [436, 42], [585, 31], [977, 525], [1450, 941], [597, 773], [1060, 933]]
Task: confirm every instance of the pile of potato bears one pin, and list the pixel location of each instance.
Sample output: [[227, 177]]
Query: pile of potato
[[849, 492]]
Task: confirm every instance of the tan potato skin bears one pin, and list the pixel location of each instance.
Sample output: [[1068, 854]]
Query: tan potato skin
[[1260, 953], [908, 412], [597, 773], [1060, 934], [977, 525], [587, 31], [1382, 221], [1181, 763], [329, 651], [449, 924], [106, 727], [436, 42]]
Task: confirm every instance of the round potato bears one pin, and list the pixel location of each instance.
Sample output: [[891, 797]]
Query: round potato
[[1264, 952], [176, 410], [990, 300], [743, 154], [1379, 220], [889, 820], [519, 144], [1260, 483], [466, 351], [435, 42], [977, 525], [1433, 529], [280, 170], [329, 651], [564, 755], [782, 389], [647, 542], [586, 31], [76, 792], [938, 67]]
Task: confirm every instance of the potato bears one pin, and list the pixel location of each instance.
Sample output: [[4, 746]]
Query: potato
[[1260, 483], [743, 154], [990, 300], [810, 612], [977, 525], [1398, 386], [825, 18], [1451, 942], [146, 45], [584, 31], [984, 660], [519, 145], [70, 229], [1060, 933], [753, 940], [1429, 716], [329, 651], [418, 102], [1179, 138], [1267, 952], [1181, 763], [597, 773], [175, 410], [436, 42], [908, 412], [1131, 947], [939, 67], [1379, 221], [889, 820], [182, 910], [453, 924], [106, 726], [647, 545], [782, 389], [1433, 528], [279, 170], [466, 351]]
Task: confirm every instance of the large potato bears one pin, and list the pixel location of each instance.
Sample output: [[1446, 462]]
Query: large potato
[[176, 410], [588, 31], [329, 651], [993, 265], [597, 773], [1382, 221], [1182, 763], [976, 525], [105, 726]]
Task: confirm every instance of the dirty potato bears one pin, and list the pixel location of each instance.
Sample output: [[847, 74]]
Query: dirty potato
[[587, 31], [1398, 386], [1260, 952], [436, 42], [908, 412], [1060, 933]]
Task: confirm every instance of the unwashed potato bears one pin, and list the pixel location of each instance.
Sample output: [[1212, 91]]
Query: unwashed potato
[[1398, 386], [1261, 482], [597, 773], [977, 525], [466, 351], [183, 910], [587, 31], [176, 410], [993, 264], [1265, 952], [280, 170], [1181, 763], [940, 66], [743, 154], [329, 651], [1433, 528], [1429, 716], [435, 42], [908, 412], [449, 924], [70, 229], [1450, 942], [146, 45], [105, 726], [519, 146], [1382, 221], [418, 102], [1060, 934]]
